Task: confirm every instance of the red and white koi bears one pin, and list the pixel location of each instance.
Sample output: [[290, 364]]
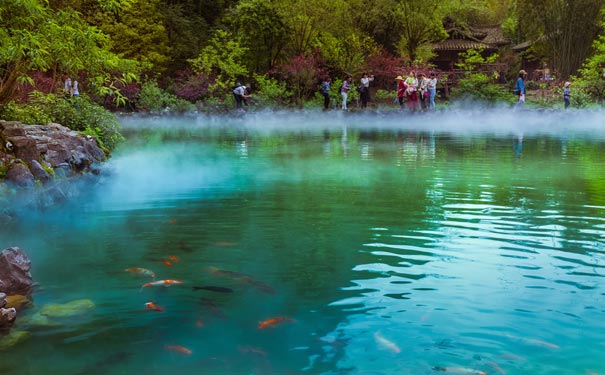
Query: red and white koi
[[152, 306], [386, 343], [141, 271], [162, 283]]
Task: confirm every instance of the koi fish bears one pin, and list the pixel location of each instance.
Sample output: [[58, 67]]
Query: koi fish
[[141, 271], [385, 343], [162, 282], [167, 263], [459, 370], [495, 367], [534, 342], [199, 323], [152, 306], [173, 258], [212, 288], [178, 349], [273, 321], [252, 350], [232, 274]]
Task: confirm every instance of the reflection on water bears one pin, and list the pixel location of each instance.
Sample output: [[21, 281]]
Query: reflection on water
[[348, 246]]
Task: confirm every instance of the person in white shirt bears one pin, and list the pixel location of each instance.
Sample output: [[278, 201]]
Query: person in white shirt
[[364, 89], [432, 87]]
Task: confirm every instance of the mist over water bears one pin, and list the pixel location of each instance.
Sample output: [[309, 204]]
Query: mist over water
[[468, 240]]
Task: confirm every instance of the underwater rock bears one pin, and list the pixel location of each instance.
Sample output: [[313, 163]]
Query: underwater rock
[[2, 300], [14, 272], [38, 320], [13, 339], [7, 317], [18, 301], [68, 309]]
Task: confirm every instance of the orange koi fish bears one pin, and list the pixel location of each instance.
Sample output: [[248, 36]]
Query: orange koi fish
[[178, 349], [152, 306], [167, 263], [274, 321], [385, 343], [162, 282], [173, 258], [141, 271]]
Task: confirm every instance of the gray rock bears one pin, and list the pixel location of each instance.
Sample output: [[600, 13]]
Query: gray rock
[[2, 300], [14, 272], [38, 172], [20, 175], [7, 317]]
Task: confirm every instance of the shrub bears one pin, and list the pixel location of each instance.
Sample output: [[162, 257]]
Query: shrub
[[479, 87], [270, 92], [80, 114]]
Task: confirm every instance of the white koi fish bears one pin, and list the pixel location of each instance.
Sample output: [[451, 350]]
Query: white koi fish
[[385, 343], [459, 370]]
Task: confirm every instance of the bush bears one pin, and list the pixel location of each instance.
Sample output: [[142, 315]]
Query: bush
[[80, 114], [270, 92], [479, 87]]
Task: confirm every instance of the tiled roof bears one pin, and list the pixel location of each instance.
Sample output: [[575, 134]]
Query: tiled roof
[[459, 45]]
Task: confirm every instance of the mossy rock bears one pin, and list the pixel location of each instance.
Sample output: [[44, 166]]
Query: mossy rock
[[13, 338], [18, 301], [68, 309]]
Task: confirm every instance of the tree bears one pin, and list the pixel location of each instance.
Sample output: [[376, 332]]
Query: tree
[[35, 37], [222, 58], [562, 31], [592, 73], [262, 31], [421, 25]]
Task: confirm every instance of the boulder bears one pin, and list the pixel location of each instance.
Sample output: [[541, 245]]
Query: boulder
[[68, 309], [7, 318], [2, 300], [20, 175], [14, 272], [52, 145]]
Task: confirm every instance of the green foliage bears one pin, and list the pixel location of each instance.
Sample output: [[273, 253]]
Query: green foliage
[[472, 58], [592, 73], [154, 99], [270, 92], [35, 37], [223, 58], [80, 114], [479, 87], [137, 32]]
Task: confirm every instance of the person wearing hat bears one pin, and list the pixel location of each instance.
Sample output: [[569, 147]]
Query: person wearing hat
[[400, 90], [566, 93], [520, 87]]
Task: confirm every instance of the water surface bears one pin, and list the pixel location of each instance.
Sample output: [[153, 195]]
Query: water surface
[[393, 245]]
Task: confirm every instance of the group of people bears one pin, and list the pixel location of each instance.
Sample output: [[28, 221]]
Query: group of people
[[521, 91], [71, 87], [417, 91]]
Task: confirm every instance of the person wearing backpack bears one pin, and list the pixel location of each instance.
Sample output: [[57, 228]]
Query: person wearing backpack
[[325, 91]]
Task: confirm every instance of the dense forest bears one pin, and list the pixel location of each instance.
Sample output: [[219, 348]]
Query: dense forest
[[152, 54]]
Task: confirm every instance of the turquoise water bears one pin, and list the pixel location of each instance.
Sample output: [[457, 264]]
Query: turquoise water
[[393, 245]]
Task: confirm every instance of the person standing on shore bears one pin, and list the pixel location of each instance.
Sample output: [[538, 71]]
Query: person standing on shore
[[400, 91], [344, 92], [67, 87], [520, 88], [432, 87], [364, 89], [567, 94], [325, 91]]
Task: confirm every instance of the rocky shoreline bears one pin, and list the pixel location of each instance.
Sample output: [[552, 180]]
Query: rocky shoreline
[[39, 154]]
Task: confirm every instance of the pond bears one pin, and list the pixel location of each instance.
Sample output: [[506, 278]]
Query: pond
[[461, 242]]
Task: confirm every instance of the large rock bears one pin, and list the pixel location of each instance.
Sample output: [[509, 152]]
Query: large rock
[[7, 318], [14, 272], [53, 146]]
